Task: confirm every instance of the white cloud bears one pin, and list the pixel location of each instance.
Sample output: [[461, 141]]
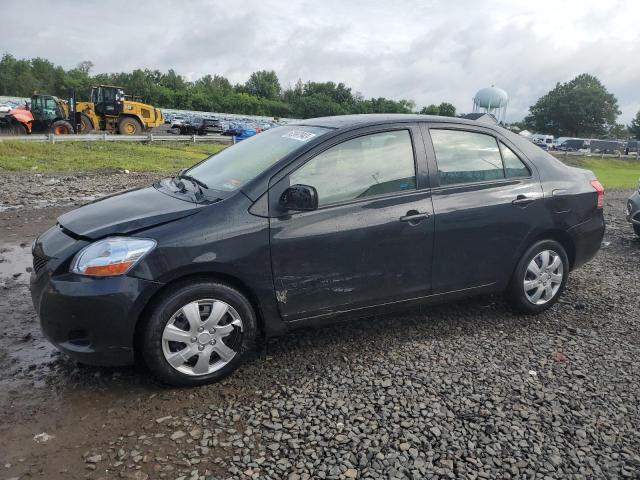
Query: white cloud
[[427, 51]]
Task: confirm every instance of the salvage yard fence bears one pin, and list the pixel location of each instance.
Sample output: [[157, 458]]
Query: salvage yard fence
[[105, 137]]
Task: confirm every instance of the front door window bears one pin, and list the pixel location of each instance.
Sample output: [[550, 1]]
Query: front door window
[[366, 166]]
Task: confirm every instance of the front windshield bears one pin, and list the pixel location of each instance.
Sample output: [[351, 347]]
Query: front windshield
[[236, 165]]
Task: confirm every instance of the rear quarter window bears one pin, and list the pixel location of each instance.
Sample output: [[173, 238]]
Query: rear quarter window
[[513, 166]]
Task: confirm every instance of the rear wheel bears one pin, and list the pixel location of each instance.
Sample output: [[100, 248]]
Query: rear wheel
[[86, 125], [539, 278], [129, 126], [61, 127], [198, 333]]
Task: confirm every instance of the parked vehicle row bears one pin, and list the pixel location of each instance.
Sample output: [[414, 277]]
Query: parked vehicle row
[[329, 218], [197, 125], [200, 126], [584, 145]]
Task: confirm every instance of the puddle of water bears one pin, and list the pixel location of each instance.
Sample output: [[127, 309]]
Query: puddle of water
[[15, 262]]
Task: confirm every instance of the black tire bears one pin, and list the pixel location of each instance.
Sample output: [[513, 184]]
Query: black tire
[[515, 292], [129, 126], [636, 229], [17, 128], [61, 127], [151, 343], [86, 125]]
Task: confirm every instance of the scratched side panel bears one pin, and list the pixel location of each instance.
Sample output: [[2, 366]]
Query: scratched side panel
[[351, 255]]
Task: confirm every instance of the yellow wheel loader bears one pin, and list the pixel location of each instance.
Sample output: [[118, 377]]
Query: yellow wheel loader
[[112, 111]]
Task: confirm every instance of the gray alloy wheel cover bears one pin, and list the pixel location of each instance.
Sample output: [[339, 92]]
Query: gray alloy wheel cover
[[543, 277], [207, 338]]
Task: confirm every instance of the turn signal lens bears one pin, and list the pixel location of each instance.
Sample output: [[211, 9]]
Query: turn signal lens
[[600, 190], [108, 270], [112, 256]]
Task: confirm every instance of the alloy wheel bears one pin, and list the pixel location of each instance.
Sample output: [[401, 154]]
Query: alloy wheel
[[202, 337], [543, 277]]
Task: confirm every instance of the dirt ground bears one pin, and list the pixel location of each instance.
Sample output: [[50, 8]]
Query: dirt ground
[[470, 357]]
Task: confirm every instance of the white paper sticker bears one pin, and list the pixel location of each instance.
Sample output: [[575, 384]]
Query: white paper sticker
[[299, 135]]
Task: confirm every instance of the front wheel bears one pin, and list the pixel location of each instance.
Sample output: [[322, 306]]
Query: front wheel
[[61, 127], [198, 333], [129, 126], [539, 278], [86, 125]]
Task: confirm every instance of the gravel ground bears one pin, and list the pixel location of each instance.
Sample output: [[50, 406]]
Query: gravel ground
[[42, 190], [467, 390]]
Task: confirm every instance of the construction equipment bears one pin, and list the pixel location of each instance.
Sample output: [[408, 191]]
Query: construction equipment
[[45, 114], [111, 110]]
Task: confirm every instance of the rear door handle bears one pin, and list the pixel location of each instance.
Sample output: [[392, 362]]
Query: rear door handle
[[414, 217], [523, 200]]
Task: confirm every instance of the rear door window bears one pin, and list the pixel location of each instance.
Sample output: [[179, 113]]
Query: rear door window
[[466, 157]]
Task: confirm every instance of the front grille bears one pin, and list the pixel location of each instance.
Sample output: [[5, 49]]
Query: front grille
[[39, 262]]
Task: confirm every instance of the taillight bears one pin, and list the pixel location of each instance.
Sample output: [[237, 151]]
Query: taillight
[[600, 191]]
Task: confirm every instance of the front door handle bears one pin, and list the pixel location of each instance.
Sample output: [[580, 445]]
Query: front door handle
[[523, 200], [414, 217]]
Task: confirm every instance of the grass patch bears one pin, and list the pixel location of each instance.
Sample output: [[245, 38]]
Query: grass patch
[[74, 157], [612, 172], [102, 156]]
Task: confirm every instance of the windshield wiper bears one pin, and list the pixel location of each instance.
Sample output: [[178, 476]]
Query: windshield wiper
[[183, 176]]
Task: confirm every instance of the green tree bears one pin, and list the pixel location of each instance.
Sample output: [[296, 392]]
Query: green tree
[[446, 109], [85, 67], [581, 107], [430, 110], [618, 131], [634, 126], [260, 95], [263, 84]]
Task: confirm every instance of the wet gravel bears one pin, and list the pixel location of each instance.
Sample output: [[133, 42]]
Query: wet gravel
[[38, 190], [466, 390]]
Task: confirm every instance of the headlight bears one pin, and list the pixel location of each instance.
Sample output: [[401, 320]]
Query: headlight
[[111, 256]]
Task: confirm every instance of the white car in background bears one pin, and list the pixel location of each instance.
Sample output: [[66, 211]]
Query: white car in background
[[177, 121], [546, 141]]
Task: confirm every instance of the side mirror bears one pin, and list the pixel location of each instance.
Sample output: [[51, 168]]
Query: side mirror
[[299, 197]]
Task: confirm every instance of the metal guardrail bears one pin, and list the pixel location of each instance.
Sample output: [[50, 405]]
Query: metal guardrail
[[151, 137], [621, 156], [105, 137]]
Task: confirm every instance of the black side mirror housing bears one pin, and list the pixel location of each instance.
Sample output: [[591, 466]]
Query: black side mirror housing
[[299, 197]]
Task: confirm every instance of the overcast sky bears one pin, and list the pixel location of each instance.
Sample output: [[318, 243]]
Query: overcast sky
[[427, 51]]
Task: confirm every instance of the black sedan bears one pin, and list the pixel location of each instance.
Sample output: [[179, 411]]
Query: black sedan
[[329, 218]]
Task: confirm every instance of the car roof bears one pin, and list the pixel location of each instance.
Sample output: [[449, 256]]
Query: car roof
[[361, 120]]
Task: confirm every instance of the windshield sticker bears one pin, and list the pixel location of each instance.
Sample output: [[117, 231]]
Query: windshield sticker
[[231, 184], [299, 135]]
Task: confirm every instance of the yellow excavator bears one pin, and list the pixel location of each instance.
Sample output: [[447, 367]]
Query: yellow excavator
[[111, 110]]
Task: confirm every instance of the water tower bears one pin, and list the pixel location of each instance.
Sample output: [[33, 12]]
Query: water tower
[[492, 100]]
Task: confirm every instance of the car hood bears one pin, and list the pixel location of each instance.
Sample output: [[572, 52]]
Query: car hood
[[126, 213]]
